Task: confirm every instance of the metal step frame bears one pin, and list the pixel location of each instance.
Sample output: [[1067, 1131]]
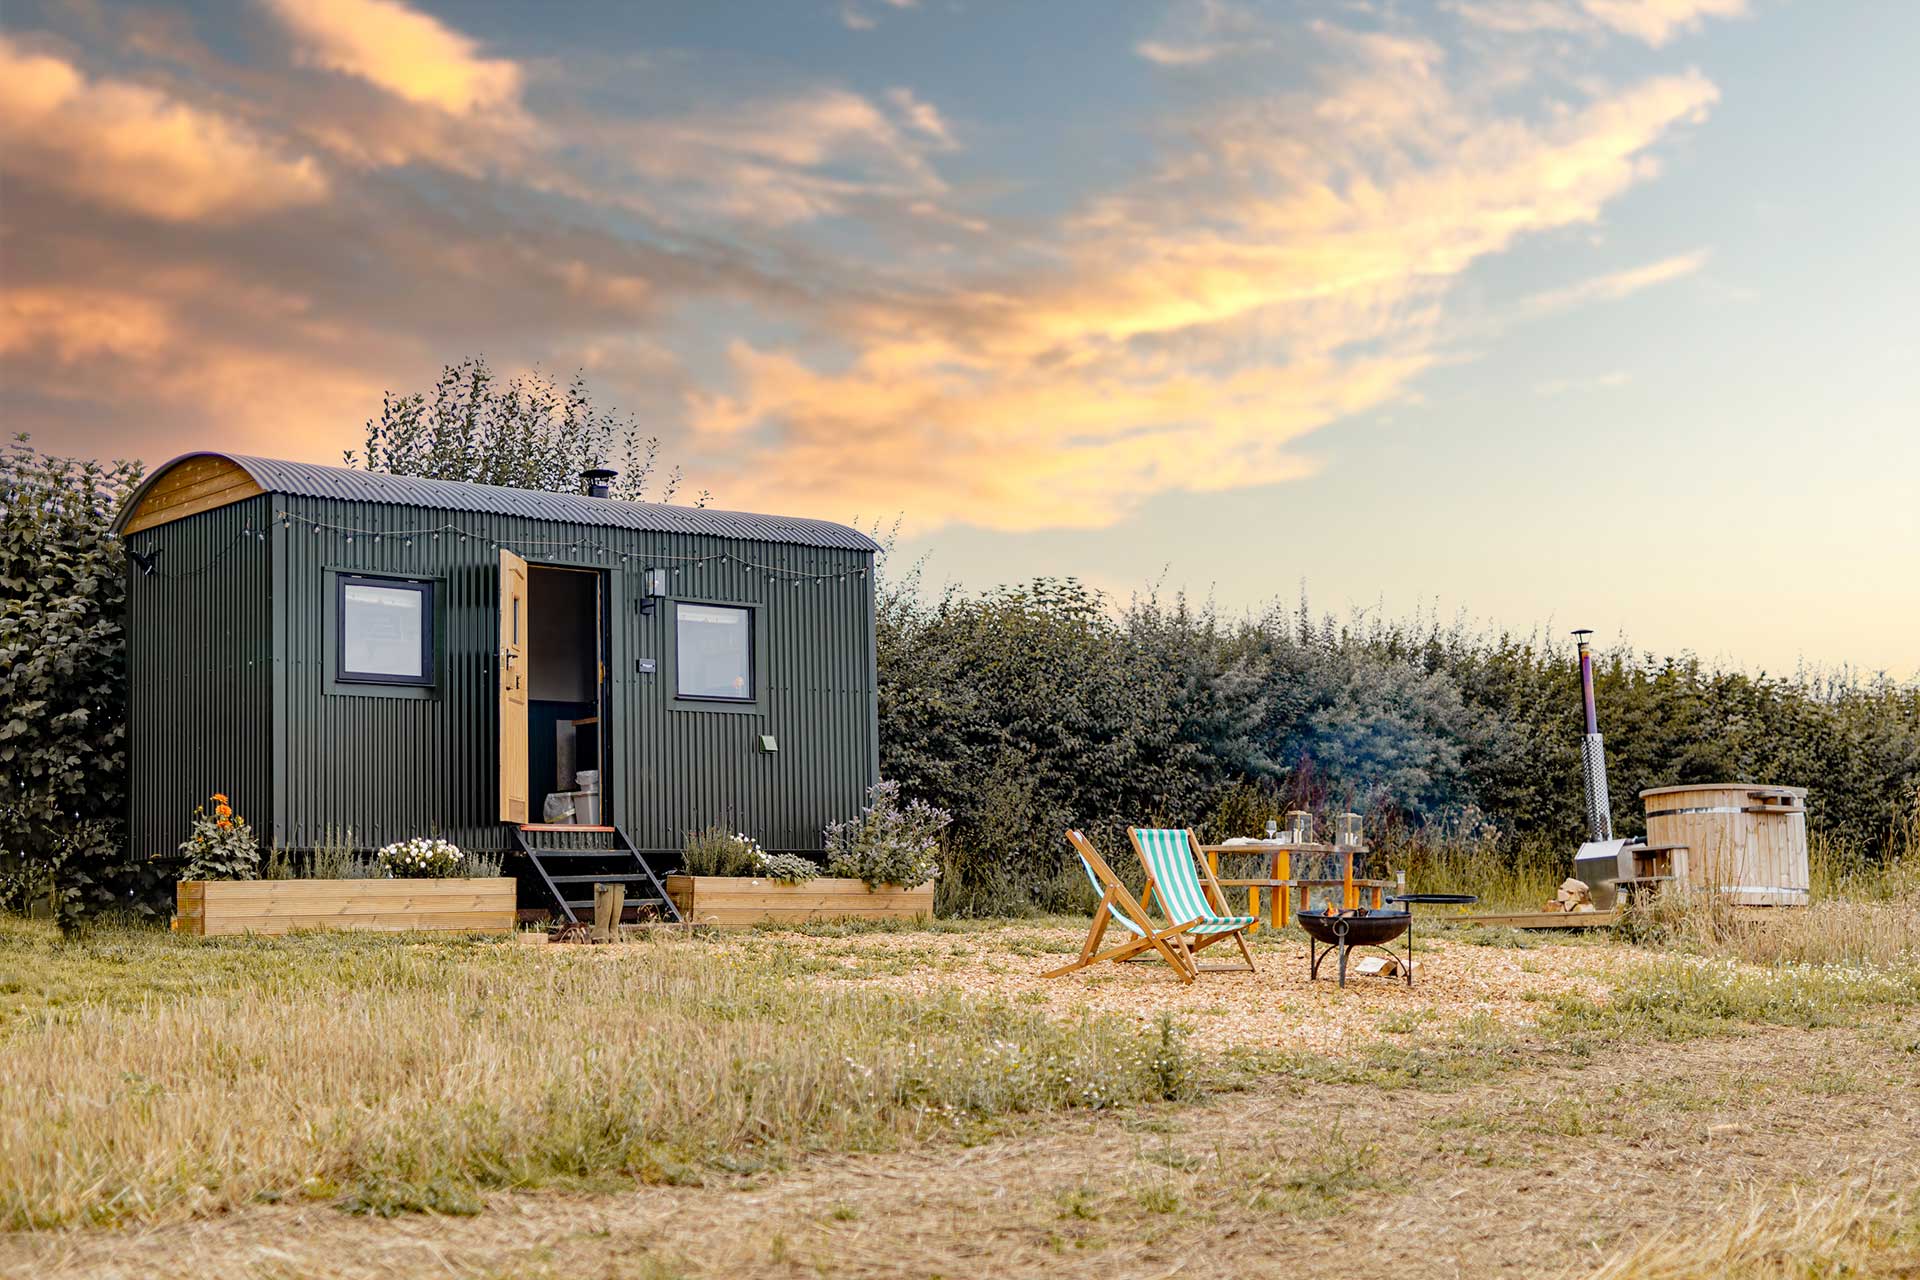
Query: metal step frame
[[561, 844]]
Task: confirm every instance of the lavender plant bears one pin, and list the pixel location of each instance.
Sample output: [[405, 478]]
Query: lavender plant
[[890, 842]]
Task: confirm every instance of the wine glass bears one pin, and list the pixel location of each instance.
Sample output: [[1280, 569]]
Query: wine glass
[[1273, 829]]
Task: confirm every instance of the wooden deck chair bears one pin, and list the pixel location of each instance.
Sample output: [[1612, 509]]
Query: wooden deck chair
[[1174, 871], [1118, 906]]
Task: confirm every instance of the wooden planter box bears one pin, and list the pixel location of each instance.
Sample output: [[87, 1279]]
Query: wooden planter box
[[210, 907], [738, 900]]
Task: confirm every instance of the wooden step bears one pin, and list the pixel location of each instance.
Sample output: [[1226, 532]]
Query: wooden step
[[623, 877]]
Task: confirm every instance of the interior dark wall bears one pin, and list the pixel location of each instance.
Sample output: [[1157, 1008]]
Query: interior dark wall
[[542, 753], [560, 639]]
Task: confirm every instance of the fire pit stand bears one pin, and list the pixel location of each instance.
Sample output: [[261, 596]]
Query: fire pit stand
[[1352, 930]]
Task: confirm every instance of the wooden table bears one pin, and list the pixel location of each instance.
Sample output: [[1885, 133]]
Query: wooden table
[[1281, 882]]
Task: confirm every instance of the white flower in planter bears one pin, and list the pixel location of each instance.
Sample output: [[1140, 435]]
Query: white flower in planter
[[421, 858]]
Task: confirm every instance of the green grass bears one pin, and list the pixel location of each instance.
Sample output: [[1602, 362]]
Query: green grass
[[1684, 996], [145, 1076]]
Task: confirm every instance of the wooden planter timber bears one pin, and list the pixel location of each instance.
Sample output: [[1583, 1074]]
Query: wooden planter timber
[[212, 907], [746, 900]]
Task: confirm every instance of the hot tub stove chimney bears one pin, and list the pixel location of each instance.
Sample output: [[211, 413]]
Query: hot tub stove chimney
[[1593, 751]]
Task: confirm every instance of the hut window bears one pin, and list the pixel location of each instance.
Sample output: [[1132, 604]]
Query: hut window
[[385, 631], [713, 650]]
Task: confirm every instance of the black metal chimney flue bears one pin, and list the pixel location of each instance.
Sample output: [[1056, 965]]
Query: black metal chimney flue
[[1593, 751], [599, 481]]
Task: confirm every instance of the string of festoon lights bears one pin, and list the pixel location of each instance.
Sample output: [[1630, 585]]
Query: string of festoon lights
[[582, 546]]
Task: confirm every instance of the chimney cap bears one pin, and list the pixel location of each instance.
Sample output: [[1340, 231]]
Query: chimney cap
[[599, 480]]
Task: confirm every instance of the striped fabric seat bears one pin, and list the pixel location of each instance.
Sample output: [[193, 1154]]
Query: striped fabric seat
[[1119, 917], [1118, 903], [1168, 854]]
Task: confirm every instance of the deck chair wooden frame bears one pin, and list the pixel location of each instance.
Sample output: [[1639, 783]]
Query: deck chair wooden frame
[[1198, 894], [1118, 905]]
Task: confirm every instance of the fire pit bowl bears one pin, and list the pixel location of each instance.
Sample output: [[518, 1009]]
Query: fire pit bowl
[[1370, 930], [1350, 929]]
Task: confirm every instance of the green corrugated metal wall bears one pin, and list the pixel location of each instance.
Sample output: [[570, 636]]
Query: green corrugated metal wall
[[393, 766], [199, 669]]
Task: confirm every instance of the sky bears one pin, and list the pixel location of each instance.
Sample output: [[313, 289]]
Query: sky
[[1533, 314]]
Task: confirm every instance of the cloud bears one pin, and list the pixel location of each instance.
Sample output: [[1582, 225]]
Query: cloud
[[403, 51], [782, 273], [855, 19], [1283, 269], [921, 116], [124, 146], [1653, 21], [777, 161], [69, 327], [1658, 21], [1199, 32], [1598, 382], [1179, 55], [1616, 285]]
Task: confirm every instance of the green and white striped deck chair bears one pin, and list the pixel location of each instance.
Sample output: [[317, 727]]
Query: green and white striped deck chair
[[1175, 872], [1117, 905]]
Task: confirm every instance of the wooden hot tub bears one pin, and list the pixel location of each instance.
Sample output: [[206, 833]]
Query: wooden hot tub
[[1746, 840]]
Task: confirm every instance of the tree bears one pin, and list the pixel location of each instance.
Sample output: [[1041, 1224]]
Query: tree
[[526, 433], [63, 726]]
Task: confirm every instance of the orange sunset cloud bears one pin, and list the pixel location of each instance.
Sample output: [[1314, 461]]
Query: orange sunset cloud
[[410, 193], [128, 146]]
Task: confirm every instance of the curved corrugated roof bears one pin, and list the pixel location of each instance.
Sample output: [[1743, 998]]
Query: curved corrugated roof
[[313, 480]]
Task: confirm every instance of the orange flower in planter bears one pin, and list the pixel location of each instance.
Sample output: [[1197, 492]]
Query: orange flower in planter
[[217, 798], [223, 810], [223, 824]]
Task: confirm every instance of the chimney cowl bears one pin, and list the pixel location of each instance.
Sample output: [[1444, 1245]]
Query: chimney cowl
[[599, 481]]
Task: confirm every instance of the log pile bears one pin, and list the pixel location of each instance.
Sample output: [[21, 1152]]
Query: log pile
[[1574, 895]]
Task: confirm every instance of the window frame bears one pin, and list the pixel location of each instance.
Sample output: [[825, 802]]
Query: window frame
[[752, 697], [425, 589]]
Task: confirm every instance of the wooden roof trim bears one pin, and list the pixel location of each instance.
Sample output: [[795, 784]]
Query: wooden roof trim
[[188, 487]]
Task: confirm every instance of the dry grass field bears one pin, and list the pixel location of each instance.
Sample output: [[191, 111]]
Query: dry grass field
[[1725, 1099]]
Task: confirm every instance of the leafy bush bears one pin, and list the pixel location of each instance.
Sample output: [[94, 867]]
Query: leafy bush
[[220, 845], [1031, 709], [527, 433], [63, 737], [889, 843], [422, 858]]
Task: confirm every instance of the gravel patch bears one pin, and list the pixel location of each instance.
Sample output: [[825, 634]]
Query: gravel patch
[[1274, 1008]]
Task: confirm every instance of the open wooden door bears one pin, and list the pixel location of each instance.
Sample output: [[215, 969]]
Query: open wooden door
[[513, 688]]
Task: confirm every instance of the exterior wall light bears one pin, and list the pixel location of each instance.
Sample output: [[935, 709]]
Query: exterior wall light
[[653, 589]]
